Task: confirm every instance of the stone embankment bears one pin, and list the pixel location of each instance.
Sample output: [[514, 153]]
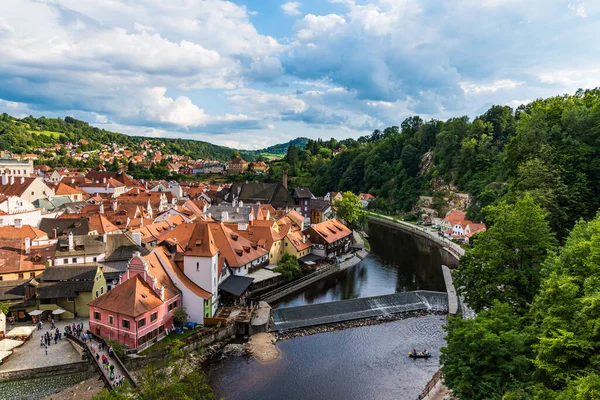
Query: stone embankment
[[352, 324]]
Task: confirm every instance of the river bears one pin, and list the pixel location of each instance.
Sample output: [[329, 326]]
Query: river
[[361, 363]]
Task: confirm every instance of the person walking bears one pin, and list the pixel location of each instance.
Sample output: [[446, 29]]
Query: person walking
[[46, 348]]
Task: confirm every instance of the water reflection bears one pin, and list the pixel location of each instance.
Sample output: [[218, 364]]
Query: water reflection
[[399, 262]]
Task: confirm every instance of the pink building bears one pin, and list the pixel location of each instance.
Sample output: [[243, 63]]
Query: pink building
[[140, 308]]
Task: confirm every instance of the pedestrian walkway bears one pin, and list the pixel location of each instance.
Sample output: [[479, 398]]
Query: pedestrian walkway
[[118, 373], [32, 355]]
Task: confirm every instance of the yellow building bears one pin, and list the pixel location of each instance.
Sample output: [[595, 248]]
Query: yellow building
[[297, 244], [70, 288]]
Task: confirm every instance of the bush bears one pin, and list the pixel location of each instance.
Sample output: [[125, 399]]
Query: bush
[[289, 267], [117, 347]]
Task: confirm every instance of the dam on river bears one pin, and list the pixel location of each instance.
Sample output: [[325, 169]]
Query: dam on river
[[367, 307]]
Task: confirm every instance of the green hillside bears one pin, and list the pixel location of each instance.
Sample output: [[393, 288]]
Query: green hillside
[[21, 136]]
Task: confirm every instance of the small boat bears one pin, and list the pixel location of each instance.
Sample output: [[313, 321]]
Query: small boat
[[419, 354]]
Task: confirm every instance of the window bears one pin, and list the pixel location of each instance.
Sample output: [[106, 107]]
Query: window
[[173, 305], [97, 315], [20, 276], [125, 324], [95, 259], [96, 294], [1, 278], [102, 290], [74, 260], [153, 317], [32, 193], [197, 266], [111, 319], [32, 274], [141, 322], [66, 261], [70, 299]]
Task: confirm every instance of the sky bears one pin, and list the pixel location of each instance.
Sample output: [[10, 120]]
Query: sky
[[249, 74]]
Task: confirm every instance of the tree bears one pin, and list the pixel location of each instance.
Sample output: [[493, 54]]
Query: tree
[[180, 316], [235, 154], [289, 267], [486, 356], [349, 208], [504, 262]]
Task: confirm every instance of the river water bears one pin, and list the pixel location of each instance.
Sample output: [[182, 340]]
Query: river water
[[361, 363]]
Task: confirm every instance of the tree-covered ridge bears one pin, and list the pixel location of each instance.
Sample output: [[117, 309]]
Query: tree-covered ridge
[[22, 136], [549, 148]]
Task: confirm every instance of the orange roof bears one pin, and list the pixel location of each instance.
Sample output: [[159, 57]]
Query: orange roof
[[263, 236], [101, 223], [201, 243], [237, 250], [331, 230], [10, 232], [296, 238], [456, 217], [133, 298], [64, 189], [13, 258]]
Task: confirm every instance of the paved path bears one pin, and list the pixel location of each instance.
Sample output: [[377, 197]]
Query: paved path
[[32, 355], [93, 349]]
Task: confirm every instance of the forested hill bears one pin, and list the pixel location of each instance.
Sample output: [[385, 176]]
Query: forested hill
[[21, 136], [549, 148]]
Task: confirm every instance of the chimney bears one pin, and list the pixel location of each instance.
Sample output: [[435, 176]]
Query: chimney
[[18, 223], [72, 181], [241, 203], [101, 208], [22, 180], [137, 238], [71, 242], [104, 180], [12, 180], [284, 183], [4, 179], [114, 205], [27, 245], [104, 238], [162, 293]]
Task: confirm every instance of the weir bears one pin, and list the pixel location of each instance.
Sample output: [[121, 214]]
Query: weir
[[348, 310]]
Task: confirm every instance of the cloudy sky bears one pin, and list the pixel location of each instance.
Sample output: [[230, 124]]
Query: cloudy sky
[[253, 73]]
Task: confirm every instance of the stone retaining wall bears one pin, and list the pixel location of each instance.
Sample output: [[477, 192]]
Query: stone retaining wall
[[78, 366], [222, 334]]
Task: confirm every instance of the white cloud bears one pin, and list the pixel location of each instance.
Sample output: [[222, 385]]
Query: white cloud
[[317, 25], [291, 8], [579, 9], [471, 87]]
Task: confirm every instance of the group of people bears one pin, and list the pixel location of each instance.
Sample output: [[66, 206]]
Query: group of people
[[416, 352], [108, 366], [46, 339]]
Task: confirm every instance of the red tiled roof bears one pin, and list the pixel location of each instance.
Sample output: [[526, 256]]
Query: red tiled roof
[[133, 298]]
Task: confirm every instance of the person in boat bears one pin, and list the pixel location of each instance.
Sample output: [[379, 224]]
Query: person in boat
[[414, 351], [424, 351]]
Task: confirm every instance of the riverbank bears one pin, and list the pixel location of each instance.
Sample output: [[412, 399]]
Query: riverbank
[[262, 347], [313, 330]]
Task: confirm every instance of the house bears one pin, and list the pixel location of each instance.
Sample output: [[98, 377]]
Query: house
[[319, 209], [237, 166], [259, 192], [70, 288], [101, 176], [297, 244], [65, 190], [303, 197], [456, 226], [260, 167], [366, 198], [29, 189], [140, 309], [19, 297], [330, 239], [20, 259], [332, 197], [57, 227], [15, 205], [15, 168], [107, 186]]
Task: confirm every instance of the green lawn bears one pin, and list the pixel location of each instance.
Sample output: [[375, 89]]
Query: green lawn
[[270, 156], [46, 133]]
